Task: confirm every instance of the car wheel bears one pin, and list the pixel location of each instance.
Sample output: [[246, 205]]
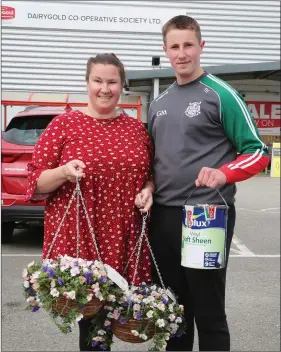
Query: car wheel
[[7, 230]]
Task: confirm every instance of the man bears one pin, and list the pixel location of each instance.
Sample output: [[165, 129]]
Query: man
[[198, 126]]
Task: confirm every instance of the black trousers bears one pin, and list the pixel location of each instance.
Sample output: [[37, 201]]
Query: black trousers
[[202, 292], [84, 332]]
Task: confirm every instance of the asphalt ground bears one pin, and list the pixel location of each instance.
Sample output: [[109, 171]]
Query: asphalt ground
[[253, 281]]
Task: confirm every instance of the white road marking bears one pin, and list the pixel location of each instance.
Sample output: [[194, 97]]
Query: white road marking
[[244, 250], [255, 256], [20, 255], [267, 210], [231, 255]]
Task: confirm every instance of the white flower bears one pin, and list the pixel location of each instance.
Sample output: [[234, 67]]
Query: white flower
[[30, 299], [74, 271], [26, 284], [82, 262], [96, 287], [149, 314], [53, 283], [35, 286], [24, 273], [70, 294], [36, 275], [153, 288], [143, 337], [99, 296], [82, 280], [171, 308], [172, 317], [54, 292], [160, 323], [167, 336], [30, 264], [179, 320], [161, 307], [136, 307], [89, 297], [101, 332], [181, 307], [174, 328], [111, 298], [134, 332], [115, 314], [79, 317]]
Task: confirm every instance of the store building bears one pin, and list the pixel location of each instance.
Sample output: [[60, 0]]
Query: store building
[[46, 44]]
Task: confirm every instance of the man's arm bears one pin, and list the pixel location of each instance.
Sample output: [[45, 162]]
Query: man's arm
[[243, 133]]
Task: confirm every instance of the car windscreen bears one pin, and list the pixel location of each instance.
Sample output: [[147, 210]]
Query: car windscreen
[[26, 130]]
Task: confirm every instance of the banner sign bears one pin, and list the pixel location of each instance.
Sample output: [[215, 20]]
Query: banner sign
[[88, 17], [267, 116]]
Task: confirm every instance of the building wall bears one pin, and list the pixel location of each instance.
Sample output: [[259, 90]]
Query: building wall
[[50, 55]]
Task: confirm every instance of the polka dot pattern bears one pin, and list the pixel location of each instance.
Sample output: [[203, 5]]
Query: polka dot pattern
[[118, 156]]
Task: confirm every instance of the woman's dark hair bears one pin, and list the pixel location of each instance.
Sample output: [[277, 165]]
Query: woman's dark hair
[[106, 59]]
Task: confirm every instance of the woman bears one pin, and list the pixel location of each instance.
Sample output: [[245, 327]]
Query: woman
[[111, 155]]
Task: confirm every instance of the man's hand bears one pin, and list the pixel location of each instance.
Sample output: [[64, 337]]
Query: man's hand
[[210, 178], [144, 200], [73, 169]]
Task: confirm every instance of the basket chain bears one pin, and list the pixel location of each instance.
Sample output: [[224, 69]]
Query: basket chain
[[137, 247], [78, 193]]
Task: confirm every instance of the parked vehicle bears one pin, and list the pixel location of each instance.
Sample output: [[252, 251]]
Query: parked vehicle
[[18, 141]]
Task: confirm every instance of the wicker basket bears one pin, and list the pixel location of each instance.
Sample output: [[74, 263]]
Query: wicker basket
[[64, 305], [123, 331]]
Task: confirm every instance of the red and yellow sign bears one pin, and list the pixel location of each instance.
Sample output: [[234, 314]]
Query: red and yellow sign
[[267, 116]]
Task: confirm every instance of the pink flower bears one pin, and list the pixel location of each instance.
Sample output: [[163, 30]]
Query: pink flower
[[107, 323]]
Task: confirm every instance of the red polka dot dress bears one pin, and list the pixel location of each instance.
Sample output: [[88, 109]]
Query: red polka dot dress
[[117, 154]]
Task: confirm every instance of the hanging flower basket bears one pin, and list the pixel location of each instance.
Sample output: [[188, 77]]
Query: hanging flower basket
[[142, 313], [63, 306], [68, 288], [146, 313], [124, 331]]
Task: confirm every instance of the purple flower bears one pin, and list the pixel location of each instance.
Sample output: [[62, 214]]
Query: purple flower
[[35, 309], [102, 279], [103, 347], [95, 343], [122, 320], [51, 272], [60, 281], [139, 316], [179, 334], [89, 277], [45, 268], [164, 300]]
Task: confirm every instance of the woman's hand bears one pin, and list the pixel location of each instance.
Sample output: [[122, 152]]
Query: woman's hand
[[74, 169], [144, 200]]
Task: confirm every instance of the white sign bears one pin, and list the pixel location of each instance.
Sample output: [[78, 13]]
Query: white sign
[[91, 17]]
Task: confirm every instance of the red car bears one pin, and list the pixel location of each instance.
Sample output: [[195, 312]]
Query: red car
[[18, 142]]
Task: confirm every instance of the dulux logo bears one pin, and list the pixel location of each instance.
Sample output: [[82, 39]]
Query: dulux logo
[[200, 223]]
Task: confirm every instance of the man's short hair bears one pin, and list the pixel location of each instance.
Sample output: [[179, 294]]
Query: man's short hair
[[182, 22]]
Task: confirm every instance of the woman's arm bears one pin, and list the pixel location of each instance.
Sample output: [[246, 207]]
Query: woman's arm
[[51, 179]]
